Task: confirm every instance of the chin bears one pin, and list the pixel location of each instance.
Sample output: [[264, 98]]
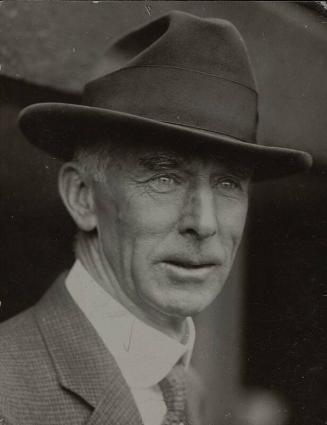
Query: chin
[[180, 299], [185, 305]]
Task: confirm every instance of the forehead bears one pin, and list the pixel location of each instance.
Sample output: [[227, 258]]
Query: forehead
[[168, 156]]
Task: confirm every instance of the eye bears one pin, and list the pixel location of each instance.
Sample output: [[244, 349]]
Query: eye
[[163, 183], [228, 184]]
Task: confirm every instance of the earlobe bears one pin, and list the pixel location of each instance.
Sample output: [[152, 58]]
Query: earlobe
[[77, 196]]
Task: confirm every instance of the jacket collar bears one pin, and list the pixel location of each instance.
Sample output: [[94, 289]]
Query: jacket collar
[[82, 362]]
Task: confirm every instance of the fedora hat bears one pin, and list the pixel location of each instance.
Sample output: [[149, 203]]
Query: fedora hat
[[179, 78]]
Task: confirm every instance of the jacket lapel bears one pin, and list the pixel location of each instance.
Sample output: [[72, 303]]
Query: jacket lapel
[[83, 364]]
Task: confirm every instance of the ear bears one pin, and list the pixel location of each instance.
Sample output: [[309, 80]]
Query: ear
[[77, 196]]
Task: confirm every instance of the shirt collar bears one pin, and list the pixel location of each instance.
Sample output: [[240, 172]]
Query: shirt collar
[[144, 354]]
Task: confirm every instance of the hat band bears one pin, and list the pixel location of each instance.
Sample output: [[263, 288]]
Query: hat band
[[179, 96]]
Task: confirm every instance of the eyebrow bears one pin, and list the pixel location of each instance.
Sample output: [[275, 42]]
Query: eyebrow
[[167, 161], [159, 161], [239, 169]]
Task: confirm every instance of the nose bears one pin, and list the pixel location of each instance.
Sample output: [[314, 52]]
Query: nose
[[199, 216]]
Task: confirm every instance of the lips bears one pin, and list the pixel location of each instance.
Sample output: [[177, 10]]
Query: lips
[[191, 263], [187, 269]]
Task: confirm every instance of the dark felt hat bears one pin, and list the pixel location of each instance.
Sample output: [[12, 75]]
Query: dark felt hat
[[179, 78]]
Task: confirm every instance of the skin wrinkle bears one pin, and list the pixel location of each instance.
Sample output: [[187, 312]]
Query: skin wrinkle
[[143, 218], [97, 158]]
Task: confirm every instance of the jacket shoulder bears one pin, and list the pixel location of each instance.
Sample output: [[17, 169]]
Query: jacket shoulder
[[32, 391], [19, 337], [24, 364]]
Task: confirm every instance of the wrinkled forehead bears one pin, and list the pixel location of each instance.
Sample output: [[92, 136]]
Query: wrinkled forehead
[[168, 155]]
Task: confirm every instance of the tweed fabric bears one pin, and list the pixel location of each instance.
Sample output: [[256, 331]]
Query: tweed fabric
[[173, 388], [55, 370]]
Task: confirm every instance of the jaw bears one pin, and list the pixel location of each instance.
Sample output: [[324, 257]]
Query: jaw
[[180, 299]]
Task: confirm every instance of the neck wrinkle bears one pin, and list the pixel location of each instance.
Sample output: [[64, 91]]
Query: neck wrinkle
[[86, 251]]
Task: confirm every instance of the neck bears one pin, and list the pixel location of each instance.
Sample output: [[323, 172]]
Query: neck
[[89, 253]]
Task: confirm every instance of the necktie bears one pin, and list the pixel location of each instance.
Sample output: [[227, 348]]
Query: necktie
[[173, 388]]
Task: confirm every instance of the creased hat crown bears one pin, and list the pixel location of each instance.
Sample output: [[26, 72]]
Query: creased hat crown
[[183, 70], [182, 40]]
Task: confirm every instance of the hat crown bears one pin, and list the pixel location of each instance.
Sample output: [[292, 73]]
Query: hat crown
[[181, 40], [183, 70]]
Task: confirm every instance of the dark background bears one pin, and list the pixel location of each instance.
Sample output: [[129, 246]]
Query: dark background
[[271, 318]]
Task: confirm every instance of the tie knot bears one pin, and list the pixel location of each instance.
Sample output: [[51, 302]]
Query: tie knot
[[173, 388]]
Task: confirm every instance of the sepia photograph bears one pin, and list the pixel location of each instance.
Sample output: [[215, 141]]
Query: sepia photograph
[[163, 221]]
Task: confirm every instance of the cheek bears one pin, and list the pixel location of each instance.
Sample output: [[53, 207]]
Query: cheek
[[232, 222], [144, 227], [132, 222], [141, 217]]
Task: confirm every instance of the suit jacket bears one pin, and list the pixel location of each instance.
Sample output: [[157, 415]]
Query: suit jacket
[[55, 370]]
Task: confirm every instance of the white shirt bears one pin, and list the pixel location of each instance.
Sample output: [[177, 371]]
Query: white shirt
[[144, 354]]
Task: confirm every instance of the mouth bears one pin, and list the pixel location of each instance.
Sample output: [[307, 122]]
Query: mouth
[[185, 270], [189, 265], [192, 262]]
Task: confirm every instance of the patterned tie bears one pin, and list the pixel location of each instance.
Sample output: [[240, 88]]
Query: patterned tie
[[173, 388]]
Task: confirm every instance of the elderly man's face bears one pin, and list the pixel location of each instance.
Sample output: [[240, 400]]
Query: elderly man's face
[[169, 227]]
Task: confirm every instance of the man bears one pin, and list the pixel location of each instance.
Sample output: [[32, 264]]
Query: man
[[156, 174]]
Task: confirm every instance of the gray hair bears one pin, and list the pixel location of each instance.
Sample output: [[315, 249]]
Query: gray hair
[[94, 160]]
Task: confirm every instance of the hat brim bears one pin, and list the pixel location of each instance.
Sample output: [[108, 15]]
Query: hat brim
[[58, 128]]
